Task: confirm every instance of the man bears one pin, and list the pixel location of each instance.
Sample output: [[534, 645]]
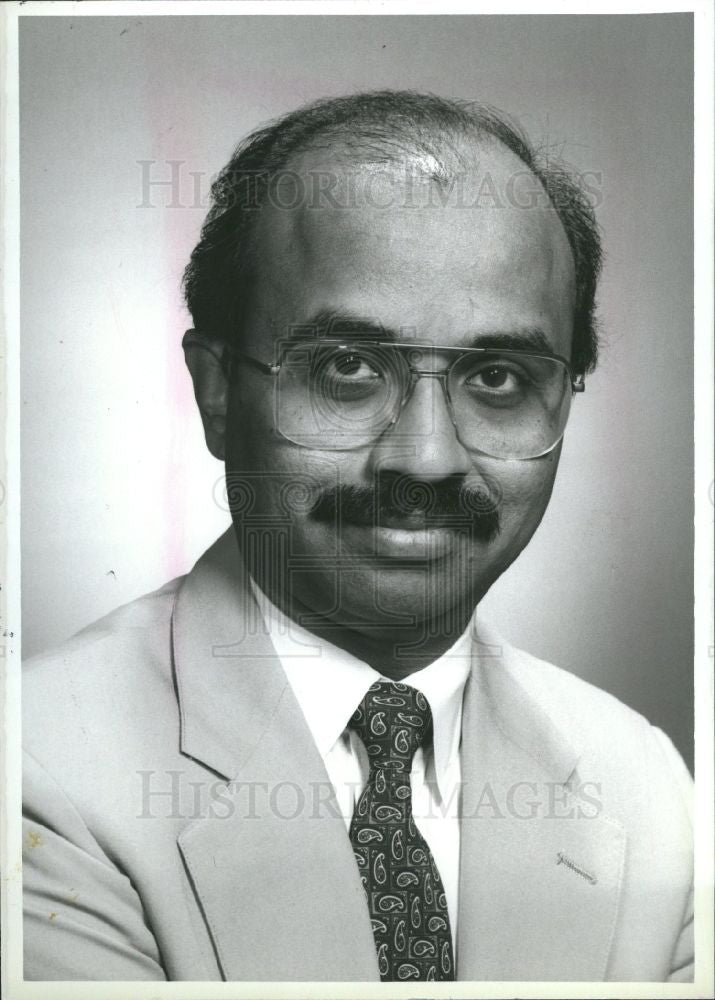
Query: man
[[307, 760]]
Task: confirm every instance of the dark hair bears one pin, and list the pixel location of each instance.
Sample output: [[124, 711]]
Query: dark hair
[[390, 124]]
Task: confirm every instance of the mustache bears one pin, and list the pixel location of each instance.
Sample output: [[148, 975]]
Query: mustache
[[444, 503]]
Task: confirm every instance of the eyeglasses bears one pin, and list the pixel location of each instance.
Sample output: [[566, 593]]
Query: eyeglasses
[[338, 394]]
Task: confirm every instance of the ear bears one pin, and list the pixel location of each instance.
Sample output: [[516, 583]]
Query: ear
[[205, 359]]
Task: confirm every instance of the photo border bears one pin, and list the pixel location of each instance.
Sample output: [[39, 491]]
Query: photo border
[[704, 496]]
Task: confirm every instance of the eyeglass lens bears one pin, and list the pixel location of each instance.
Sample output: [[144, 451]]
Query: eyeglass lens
[[342, 397]]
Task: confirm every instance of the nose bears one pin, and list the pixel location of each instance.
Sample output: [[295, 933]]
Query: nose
[[423, 442]]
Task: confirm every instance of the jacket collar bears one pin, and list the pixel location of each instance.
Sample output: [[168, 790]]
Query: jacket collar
[[229, 680], [499, 695]]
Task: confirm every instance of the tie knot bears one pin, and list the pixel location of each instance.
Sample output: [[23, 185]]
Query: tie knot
[[392, 720]]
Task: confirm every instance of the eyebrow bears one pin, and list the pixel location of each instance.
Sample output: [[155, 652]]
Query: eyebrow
[[336, 323], [330, 323]]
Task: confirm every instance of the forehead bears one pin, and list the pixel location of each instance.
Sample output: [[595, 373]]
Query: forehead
[[482, 251]]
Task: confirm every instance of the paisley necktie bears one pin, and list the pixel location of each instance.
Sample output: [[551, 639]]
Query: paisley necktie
[[405, 895]]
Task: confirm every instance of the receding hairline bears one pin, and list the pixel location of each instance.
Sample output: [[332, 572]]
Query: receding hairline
[[438, 152]]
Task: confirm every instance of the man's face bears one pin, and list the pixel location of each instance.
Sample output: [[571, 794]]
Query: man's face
[[420, 266]]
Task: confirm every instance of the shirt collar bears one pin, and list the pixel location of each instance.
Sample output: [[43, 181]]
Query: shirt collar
[[329, 683]]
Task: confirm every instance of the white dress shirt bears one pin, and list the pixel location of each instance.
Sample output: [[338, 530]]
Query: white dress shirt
[[330, 683]]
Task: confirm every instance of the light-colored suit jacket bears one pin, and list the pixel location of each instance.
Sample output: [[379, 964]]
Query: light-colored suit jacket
[[180, 824]]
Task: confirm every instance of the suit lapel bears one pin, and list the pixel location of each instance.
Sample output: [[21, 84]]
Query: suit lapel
[[539, 869], [271, 863]]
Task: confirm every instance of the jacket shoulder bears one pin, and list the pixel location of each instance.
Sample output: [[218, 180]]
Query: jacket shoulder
[[107, 675], [617, 745], [566, 694]]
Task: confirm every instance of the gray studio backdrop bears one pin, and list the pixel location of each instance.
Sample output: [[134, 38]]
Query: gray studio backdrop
[[123, 123]]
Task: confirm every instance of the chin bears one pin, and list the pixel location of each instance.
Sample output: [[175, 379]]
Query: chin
[[404, 597]]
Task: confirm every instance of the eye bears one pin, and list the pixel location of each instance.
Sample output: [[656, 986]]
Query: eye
[[498, 378], [347, 376], [350, 367]]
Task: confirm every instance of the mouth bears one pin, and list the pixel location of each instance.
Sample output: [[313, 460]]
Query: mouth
[[414, 520], [403, 537]]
